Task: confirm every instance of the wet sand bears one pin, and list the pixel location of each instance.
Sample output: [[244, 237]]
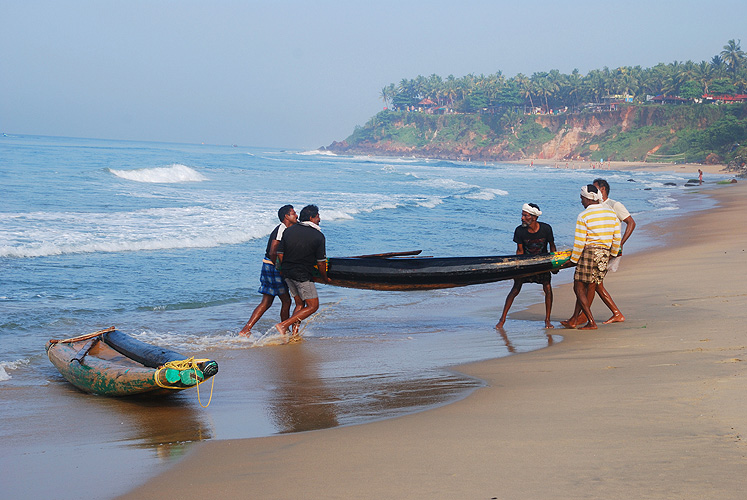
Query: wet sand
[[650, 408], [690, 168]]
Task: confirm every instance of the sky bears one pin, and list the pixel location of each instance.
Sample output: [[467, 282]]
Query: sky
[[301, 74]]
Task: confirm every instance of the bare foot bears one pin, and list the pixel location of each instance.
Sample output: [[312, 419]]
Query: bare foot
[[616, 318], [245, 333], [569, 323], [589, 326], [500, 324], [296, 326], [281, 330], [549, 325]]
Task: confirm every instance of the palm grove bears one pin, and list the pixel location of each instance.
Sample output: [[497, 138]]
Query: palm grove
[[724, 74]]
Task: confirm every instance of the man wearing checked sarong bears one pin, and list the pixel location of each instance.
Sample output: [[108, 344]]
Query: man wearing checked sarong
[[597, 237], [271, 283]]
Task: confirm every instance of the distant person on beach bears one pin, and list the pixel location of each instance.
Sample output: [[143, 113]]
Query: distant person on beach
[[532, 238], [623, 216], [700, 176], [303, 246], [271, 283], [597, 237]]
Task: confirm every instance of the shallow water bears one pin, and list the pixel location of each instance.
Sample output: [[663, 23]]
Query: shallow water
[[165, 242]]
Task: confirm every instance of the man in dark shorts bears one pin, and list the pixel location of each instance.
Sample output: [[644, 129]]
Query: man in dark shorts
[[271, 283], [532, 238], [302, 248]]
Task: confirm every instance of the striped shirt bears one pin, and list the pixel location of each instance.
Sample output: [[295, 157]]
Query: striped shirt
[[597, 225]]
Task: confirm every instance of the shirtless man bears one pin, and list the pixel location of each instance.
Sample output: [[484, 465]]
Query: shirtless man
[[532, 238]]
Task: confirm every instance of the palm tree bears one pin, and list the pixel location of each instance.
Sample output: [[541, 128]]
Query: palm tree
[[574, 81], [703, 73], [719, 66], [733, 56], [526, 86]]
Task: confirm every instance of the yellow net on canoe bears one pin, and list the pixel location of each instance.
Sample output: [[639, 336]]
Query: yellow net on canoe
[[182, 365]]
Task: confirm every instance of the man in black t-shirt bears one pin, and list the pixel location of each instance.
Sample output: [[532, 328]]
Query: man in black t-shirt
[[532, 238], [303, 246]]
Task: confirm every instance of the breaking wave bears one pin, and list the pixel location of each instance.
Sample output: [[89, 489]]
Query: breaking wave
[[172, 174]]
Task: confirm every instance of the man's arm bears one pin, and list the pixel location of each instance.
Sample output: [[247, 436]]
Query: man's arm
[[322, 265], [579, 240], [519, 249], [629, 227], [274, 250]]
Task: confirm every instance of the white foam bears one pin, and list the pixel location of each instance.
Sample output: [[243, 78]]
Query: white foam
[[172, 174], [316, 152], [486, 194], [270, 337], [10, 365]]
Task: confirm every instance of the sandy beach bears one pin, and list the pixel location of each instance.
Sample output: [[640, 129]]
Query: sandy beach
[[650, 408]]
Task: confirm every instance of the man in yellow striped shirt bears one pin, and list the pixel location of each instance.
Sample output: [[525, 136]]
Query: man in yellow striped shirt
[[597, 237]]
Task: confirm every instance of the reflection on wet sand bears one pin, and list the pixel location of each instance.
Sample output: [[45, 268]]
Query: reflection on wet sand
[[509, 345], [303, 399], [167, 425], [300, 401]]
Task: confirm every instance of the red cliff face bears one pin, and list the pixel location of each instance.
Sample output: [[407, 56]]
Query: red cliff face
[[493, 137]]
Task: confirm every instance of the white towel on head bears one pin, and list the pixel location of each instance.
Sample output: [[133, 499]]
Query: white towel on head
[[590, 195], [531, 210]]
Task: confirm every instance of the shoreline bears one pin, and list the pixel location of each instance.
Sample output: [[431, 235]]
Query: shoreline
[[648, 408]]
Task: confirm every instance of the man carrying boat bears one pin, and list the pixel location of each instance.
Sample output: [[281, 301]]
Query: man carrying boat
[[271, 283], [532, 238], [303, 248], [597, 237], [624, 216]]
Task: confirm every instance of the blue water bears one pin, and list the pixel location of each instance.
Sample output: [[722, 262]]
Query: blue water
[[165, 241]]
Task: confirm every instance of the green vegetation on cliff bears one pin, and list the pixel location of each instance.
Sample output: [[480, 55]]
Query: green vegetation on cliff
[[684, 133]]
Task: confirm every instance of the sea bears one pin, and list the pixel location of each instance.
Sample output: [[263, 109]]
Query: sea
[[165, 242]]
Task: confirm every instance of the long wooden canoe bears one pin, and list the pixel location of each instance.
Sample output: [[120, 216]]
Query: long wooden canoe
[[423, 273], [110, 363]]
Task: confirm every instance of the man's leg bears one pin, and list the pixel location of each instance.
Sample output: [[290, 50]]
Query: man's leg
[[263, 306], [617, 316], [285, 306], [547, 287], [509, 301], [310, 307], [583, 291]]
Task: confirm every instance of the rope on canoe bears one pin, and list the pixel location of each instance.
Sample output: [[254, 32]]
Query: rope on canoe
[[186, 364]]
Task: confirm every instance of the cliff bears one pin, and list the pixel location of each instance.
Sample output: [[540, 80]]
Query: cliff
[[692, 132]]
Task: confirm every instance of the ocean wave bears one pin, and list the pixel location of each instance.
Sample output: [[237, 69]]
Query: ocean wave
[[485, 194], [173, 174], [10, 365], [316, 152]]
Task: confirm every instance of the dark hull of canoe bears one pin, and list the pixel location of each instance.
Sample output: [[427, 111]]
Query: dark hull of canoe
[[114, 364], [424, 273]]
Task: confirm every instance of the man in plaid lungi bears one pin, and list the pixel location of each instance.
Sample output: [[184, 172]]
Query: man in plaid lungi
[[597, 237], [271, 283]]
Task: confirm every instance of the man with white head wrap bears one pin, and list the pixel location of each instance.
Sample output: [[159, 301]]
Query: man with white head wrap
[[624, 216], [597, 236], [532, 238]]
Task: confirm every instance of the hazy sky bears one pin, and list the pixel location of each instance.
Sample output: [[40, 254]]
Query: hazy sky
[[300, 74]]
